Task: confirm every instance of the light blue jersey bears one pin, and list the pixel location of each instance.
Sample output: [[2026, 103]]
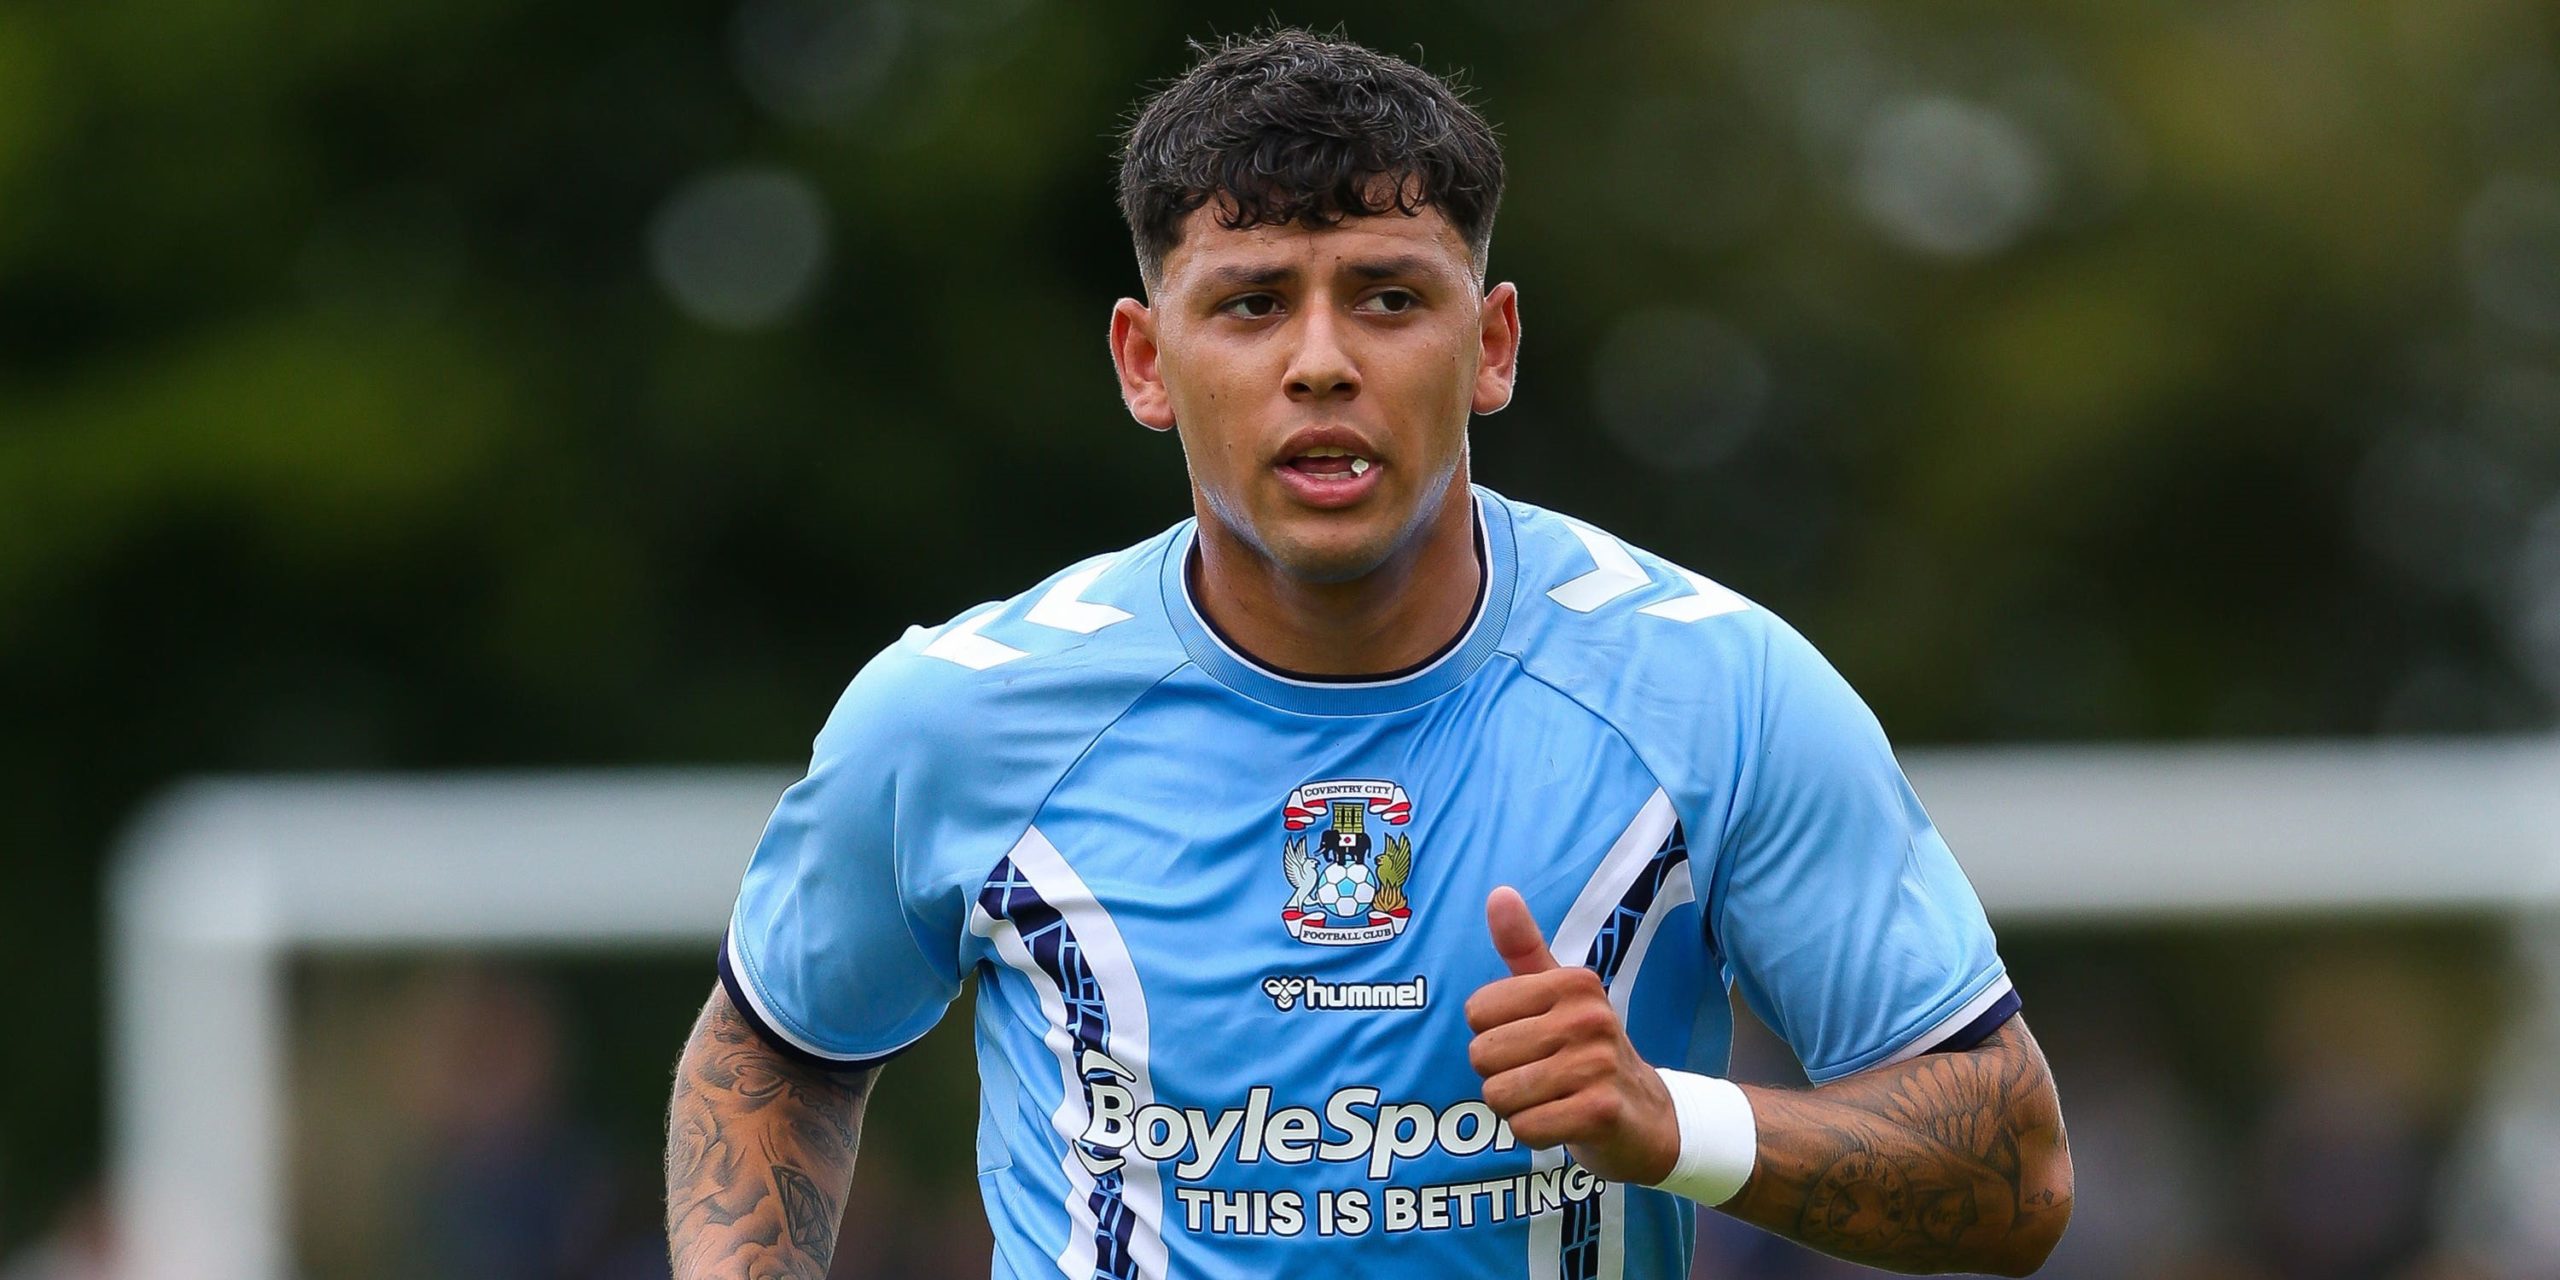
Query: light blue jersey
[[1225, 919]]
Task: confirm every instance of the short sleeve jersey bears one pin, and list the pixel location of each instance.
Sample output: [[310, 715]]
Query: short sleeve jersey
[[1224, 919]]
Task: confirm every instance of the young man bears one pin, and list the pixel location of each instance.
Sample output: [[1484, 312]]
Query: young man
[[1354, 873]]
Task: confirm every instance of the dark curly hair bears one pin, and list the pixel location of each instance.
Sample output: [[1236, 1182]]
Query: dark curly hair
[[1292, 126]]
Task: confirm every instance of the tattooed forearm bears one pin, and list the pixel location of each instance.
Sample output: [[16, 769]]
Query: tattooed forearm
[[759, 1155], [1948, 1162], [809, 1214]]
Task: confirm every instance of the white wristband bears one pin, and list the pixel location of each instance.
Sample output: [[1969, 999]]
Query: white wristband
[[1719, 1139]]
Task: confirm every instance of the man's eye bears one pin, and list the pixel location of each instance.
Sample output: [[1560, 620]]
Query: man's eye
[[1252, 306], [1393, 301]]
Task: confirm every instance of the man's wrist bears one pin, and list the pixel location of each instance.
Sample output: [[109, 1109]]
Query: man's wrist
[[1719, 1137]]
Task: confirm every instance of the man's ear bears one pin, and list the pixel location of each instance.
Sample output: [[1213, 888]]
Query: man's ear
[[1498, 367], [1133, 353]]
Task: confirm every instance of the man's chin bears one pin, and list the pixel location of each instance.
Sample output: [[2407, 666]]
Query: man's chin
[[1326, 548], [1328, 561]]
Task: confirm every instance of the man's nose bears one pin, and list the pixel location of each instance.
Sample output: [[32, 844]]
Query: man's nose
[[1321, 368]]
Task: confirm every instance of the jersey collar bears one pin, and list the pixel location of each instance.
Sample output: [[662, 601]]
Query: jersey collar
[[1497, 549]]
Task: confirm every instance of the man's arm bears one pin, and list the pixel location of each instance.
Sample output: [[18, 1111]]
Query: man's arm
[[1947, 1162], [759, 1155]]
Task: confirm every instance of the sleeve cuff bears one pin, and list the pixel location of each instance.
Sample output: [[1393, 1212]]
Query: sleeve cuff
[[1971, 1024], [750, 1006], [1975, 1032]]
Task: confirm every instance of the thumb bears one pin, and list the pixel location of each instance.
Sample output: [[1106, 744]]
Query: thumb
[[1515, 932]]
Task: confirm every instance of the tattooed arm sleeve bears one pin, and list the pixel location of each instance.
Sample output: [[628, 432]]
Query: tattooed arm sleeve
[[759, 1155], [1946, 1162]]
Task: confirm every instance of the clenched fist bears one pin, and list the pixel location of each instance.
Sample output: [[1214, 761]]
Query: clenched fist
[[1556, 1062]]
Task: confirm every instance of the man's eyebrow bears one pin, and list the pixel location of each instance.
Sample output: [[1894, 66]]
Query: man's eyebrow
[[1405, 265], [1239, 277], [1400, 266]]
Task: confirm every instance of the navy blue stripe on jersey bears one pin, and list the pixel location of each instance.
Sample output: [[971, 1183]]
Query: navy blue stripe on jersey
[[1980, 1029], [1581, 1235], [1011, 897], [779, 1043], [1609, 946]]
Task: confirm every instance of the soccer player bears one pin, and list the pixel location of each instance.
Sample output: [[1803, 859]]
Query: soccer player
[[1355, 872]]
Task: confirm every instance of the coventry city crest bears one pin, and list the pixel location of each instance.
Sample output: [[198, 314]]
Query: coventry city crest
[[1350, 890]]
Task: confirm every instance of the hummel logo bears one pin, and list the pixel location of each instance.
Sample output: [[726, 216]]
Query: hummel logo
[[1287, 991]]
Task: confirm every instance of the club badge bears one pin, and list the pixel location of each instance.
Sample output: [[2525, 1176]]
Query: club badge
[[1350, 890]]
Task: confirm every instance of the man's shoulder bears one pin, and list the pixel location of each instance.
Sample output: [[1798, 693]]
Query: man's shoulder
[[1688, 671], [1066, 654], [1594, 609]]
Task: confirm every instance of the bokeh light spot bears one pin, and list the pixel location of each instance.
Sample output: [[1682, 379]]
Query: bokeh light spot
[[1951, 178], [2511, 252], [740, 249], [1679, 388], [816, 61]]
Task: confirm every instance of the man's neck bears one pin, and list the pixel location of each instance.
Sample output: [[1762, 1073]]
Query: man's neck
[[1395, 617]]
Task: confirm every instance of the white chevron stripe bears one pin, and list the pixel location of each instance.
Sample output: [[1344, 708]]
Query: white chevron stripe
[[1613, 573], [960, 642], [1064, 608], [1710, 599]]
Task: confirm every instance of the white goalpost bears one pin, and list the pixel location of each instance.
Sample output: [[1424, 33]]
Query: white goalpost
[[223, 883]]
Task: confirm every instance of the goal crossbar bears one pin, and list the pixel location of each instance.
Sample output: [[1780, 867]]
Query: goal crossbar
[[223, 883]]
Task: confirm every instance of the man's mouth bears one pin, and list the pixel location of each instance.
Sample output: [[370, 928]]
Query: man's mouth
[[1329, 476], [1329, 462]]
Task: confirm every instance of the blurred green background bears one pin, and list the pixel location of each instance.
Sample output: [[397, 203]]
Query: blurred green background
[[420, 385]]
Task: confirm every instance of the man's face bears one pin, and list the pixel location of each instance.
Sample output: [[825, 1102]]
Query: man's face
[[1321, 379]]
